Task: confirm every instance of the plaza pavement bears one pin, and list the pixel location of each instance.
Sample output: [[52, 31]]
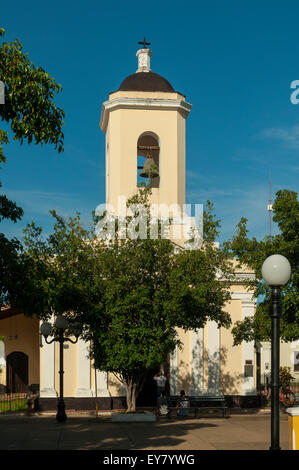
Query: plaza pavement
[[84, 431]]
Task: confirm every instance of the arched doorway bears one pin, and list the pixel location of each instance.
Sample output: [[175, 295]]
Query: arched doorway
[[17, 372]]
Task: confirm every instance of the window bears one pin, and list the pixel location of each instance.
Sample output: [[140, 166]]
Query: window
[[296, 361]]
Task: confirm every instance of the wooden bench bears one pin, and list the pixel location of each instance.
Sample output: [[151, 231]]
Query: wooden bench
[[200, 403]]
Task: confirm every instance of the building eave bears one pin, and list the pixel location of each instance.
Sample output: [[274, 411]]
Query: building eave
[[181, 106]]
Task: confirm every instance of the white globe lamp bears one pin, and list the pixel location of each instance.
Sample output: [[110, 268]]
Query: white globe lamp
[[276, 270]]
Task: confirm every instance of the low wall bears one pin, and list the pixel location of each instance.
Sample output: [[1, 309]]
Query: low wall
[[119, 403]]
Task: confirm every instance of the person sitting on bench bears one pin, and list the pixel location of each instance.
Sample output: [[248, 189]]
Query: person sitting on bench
[[183, 404]]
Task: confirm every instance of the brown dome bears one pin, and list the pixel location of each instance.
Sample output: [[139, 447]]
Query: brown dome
[[146, 81]]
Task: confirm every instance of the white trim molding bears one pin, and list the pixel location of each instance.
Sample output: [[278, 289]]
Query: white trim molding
[[173, 372], [243, 296], [102, 384], [83, 385], [181, 106], [197, 362], [47, 370], [213, 349]]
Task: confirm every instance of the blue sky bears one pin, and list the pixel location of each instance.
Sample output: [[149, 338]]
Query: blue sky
[[233, 60]]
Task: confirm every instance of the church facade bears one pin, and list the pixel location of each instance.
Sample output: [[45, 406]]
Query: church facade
[[144, 122]]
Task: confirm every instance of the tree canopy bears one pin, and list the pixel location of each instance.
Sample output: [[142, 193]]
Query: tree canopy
[[253, 253], [131, 295], [32, 116]]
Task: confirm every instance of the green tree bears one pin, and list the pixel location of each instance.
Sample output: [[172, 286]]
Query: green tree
[[131, 294], [30, 112], [253, 253]]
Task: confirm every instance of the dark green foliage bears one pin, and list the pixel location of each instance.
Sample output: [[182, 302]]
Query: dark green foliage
[[131, 294], [29, 94], [33, 117], [253, 253]]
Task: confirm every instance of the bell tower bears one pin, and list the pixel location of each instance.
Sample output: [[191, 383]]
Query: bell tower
[[144, 122]]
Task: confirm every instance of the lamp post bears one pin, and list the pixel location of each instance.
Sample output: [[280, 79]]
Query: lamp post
[[58, 330], [276, 272]]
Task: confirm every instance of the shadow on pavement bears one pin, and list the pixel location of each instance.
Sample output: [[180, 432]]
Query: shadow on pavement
[[88, 433]]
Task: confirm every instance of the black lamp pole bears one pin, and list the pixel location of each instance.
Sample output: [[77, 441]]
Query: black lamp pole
[[61, 414], [276, 272], [275, 363]]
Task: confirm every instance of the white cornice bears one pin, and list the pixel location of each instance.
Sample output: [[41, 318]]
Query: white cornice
[[236, 278], [240, 278], [245, 297], [181, 106]]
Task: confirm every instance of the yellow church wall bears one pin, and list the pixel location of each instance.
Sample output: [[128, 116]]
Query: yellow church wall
[[231, 358], [21, 334], [114, 386], [181, 145], [125, 127], [239, 288]]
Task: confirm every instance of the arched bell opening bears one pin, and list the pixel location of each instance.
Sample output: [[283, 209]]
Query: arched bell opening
[[148, 159]]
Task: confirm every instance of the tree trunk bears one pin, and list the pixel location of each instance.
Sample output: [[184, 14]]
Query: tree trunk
[[133, 385], [131, 396]]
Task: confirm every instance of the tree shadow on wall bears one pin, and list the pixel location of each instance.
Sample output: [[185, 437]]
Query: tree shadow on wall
[[206, 375]]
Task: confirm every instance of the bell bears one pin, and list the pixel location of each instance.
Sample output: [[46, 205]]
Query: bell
[[150, 169]]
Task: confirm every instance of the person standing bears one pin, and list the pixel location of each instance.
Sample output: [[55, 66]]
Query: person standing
[[161, 382]]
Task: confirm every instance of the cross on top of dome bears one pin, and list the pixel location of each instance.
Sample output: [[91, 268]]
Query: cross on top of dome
[[144, 43]]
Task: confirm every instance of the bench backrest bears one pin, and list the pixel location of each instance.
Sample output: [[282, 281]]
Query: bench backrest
[[199, 398]]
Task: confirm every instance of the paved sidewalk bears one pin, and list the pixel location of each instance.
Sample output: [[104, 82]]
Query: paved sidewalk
[[85, 432]]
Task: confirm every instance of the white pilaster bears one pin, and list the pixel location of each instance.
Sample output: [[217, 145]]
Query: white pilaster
[[173, 372], [102, 384], [213, 349], [197, 361], [248, 352], [83, 385], [47, 371]]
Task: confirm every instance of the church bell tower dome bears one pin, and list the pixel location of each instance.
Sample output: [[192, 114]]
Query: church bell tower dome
[[144, 122], [144, 79]]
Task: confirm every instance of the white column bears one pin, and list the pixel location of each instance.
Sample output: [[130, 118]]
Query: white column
[[197, 361], [83, 385], [213, 350], [102, 384], [173, 372], [47, 371], [266, 361], [248, 352]]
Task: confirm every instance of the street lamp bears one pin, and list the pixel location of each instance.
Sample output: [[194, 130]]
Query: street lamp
[[276, 272], [59, 328]]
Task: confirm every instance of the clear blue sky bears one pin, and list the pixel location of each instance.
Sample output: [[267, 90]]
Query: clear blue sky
[[233, 60]]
